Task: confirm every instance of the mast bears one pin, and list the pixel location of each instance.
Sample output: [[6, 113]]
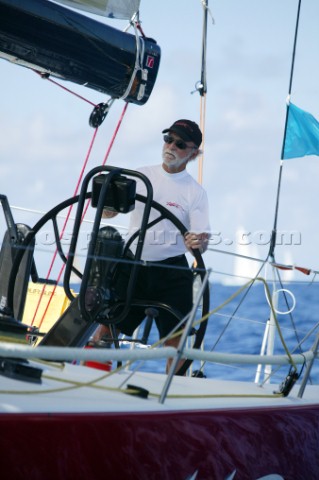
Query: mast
[[202, 89]]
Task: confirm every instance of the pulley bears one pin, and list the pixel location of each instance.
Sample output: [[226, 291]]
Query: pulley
[[98, 114]]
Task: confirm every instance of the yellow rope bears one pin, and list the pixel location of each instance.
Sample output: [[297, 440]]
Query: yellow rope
[[92, 383], [75, 385], [234, 295]]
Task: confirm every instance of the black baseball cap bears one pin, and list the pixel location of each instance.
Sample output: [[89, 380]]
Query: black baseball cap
[[188, 131]]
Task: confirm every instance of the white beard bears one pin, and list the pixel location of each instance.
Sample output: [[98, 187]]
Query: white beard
[[175, 162]]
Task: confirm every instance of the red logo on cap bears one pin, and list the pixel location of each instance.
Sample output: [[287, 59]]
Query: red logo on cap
[[185, 125]]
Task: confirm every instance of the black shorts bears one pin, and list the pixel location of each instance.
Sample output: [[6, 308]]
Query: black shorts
[[158, 282]]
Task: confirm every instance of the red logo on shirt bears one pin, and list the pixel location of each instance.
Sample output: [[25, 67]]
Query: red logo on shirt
[[176, 205]]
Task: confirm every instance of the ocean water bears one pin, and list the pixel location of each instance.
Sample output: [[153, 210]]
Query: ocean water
[[237, 325]]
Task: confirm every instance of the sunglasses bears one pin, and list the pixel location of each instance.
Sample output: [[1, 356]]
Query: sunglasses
[[179, 143]]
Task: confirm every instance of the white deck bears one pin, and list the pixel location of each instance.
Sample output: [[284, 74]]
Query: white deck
[[72, 389]]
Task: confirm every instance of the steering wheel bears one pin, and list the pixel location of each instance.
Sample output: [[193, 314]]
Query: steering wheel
[[164, 213]]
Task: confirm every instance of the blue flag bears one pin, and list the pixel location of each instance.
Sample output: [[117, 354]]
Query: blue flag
[[302, 134]]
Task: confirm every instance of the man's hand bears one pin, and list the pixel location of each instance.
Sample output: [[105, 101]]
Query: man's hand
[[108, 214], [196, 241]]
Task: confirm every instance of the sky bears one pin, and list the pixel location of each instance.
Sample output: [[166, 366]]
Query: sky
[[45, 134]]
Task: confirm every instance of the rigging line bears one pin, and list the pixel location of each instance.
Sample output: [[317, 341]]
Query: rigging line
[[42, 212], [202, 127], [247, 287], [238, 255], [61, 236], [109, 149], [241, 301], [115, 133], [268, 376], [274, 233], [294, 327], [304, 270], [138, 67], [86, 207], [273, 239], [136, 19], [291, 78], [46, 76]]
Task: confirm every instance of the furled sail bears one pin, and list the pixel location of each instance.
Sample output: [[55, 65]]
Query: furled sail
[[122, 9], [58, 41]]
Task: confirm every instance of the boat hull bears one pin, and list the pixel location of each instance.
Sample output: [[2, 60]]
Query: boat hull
[[162, 445]]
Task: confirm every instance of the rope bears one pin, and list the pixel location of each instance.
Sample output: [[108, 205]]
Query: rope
[[305, 271], [139, 27], [61, 236], [246, 287], [45, 76], [73, 384], [138, 67], [84, 213], [280, 266], [109, 149], [202, 127]]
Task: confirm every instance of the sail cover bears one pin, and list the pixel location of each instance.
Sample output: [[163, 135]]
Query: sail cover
[[61, 42], [122, 9]]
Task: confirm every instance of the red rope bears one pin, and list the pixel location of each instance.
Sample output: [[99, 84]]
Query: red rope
[[139, 27], [61, 236], [44, 76], [304, 270], [110, 147], [69, 212]]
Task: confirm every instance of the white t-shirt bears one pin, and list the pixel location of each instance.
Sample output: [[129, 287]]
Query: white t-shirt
[[181, 195]]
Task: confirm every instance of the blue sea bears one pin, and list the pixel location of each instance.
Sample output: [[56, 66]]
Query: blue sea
[[237, 325]]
